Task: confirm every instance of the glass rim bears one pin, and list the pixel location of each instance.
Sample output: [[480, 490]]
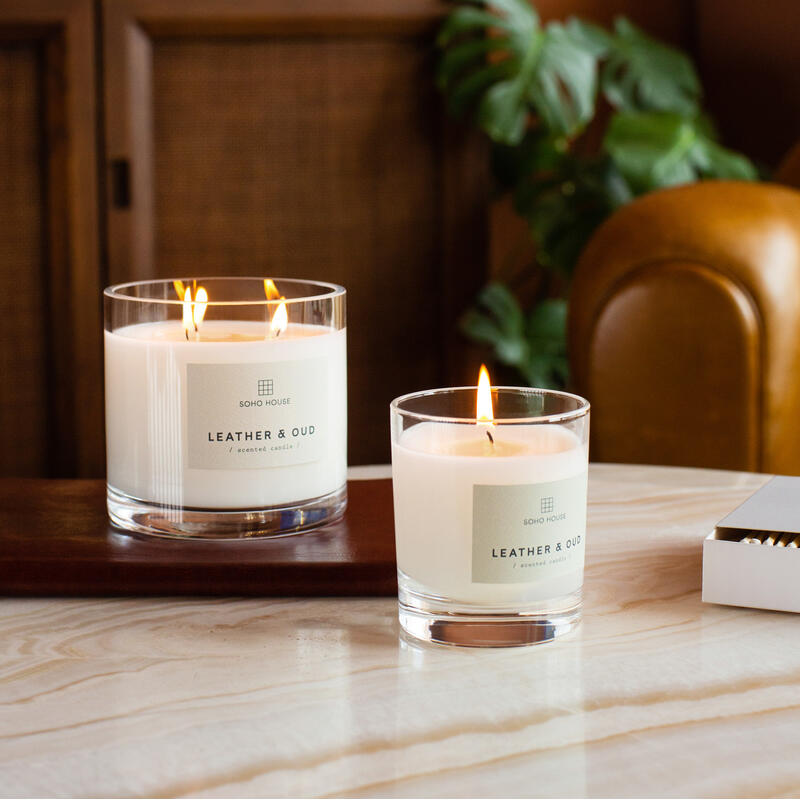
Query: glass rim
[[334, 290], [564, 416]]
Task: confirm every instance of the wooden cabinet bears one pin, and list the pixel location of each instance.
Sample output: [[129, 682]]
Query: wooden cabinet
[[261, 136], [51, 419], [300, 140]]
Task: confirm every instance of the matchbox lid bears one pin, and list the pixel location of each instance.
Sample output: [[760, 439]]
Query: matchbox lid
[[774, 507]]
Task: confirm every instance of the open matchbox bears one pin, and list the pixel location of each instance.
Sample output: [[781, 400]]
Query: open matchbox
[[740, 572]]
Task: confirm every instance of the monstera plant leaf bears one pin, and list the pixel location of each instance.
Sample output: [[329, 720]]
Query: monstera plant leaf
[[498, 321], [519, 68], [643, 74], [535, 346], [657, 149]]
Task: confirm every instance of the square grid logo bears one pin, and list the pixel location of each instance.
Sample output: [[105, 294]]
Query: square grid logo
[[547, 505], [265, 387]]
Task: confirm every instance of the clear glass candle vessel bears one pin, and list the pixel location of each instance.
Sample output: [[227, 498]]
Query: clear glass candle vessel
[[226, 406], [490, 514]]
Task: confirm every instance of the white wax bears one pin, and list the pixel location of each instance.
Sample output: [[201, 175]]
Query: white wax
[[434, 469], [147, 420]]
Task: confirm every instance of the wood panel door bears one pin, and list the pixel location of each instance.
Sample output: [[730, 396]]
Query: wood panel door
[[301, 139], [51, 418]]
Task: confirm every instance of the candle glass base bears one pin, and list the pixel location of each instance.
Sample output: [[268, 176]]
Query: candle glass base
[[139, 516], [441, 621]]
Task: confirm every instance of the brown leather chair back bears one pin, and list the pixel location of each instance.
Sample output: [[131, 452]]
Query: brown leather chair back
[[685, 329]]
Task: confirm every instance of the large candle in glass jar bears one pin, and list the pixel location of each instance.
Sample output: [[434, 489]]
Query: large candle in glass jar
[[225, 406], [490, 513]]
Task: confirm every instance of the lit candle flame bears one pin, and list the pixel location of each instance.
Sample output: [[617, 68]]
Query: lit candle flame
[[193, 312], [180, 289], [200, 305], [279, 318], [279, 322], [270, 290], [485, 412]]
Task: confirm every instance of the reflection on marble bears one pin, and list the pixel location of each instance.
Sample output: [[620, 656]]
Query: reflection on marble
[[656, 694]]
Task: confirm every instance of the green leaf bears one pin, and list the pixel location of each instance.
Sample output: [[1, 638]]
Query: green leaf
[[481, 328], [654, 150], [591, 38], [713, 160], [565, 83], [547, 365], [642, 74], [467, 20], [467, 91], [550, 71], [511, 351], [461, 56], [502, 114], [548, 322], [498, 321], [499, 301], [520, 20], [651, 149], [535, 346], [615, 187]]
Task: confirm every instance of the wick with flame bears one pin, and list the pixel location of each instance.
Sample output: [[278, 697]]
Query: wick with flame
[[484, 411], [195, 309], [280, 319]]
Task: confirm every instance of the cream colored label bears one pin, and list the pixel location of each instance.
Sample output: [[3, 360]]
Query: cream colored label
[[251, 416], [528, 532]]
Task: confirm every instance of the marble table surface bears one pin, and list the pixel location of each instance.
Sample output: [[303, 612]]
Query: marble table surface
[[656, 694]]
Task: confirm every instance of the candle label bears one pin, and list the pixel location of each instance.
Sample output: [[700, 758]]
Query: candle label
[[528, 532], [251, 416]]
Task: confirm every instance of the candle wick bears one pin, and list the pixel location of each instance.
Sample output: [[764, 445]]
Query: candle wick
[[186, 332], [491, 438]]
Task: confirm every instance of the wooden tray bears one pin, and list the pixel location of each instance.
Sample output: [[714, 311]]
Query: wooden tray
[[56, 540]]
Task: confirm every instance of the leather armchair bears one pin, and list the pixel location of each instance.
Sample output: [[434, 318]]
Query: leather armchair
[[685, 329]]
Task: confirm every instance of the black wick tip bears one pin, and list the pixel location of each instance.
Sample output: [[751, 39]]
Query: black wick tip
[[491, 438]]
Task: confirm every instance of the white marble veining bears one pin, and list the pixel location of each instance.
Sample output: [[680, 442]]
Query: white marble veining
[[655, 695]]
